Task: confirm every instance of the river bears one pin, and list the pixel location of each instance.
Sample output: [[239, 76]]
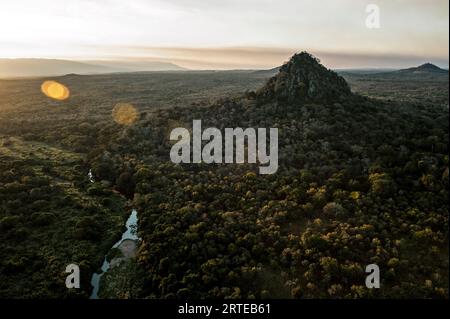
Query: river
[[129, 234]]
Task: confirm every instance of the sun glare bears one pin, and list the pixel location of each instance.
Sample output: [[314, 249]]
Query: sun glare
[[55, 90], [125, 113]]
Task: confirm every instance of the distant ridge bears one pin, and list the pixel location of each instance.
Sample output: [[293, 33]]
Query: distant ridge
[[55, 67], [138, 65], [268, 72]]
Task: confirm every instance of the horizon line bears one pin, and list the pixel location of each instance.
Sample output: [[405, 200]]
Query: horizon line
[[243, 57]]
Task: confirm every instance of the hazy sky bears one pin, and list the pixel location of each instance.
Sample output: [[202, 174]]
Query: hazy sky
[[227, 33]]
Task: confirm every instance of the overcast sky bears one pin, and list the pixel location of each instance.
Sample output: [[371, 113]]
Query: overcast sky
[[227, 33]]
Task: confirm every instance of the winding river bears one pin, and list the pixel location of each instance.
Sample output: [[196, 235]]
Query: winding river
[[129, 234]]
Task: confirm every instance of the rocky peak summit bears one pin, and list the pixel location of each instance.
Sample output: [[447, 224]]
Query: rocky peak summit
[[304, 79]]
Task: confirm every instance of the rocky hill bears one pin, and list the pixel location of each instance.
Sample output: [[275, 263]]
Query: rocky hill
[[304, 79]]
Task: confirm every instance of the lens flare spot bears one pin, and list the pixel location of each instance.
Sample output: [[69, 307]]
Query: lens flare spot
[[55, 90], [125, 113]]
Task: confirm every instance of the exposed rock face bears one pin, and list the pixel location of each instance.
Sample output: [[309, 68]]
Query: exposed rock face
[[304, 79]]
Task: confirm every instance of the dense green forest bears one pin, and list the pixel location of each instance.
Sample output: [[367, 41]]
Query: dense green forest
[[50, 217], [363, 179]]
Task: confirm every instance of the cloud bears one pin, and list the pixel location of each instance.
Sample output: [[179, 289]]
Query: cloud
[[226, 34]]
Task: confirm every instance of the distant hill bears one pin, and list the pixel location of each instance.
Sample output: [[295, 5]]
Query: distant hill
[[427, 68], [53, 67], [424, 72]]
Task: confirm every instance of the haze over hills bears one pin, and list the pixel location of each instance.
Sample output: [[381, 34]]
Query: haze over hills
[[53, 67], [35, 67], [138, 65]]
